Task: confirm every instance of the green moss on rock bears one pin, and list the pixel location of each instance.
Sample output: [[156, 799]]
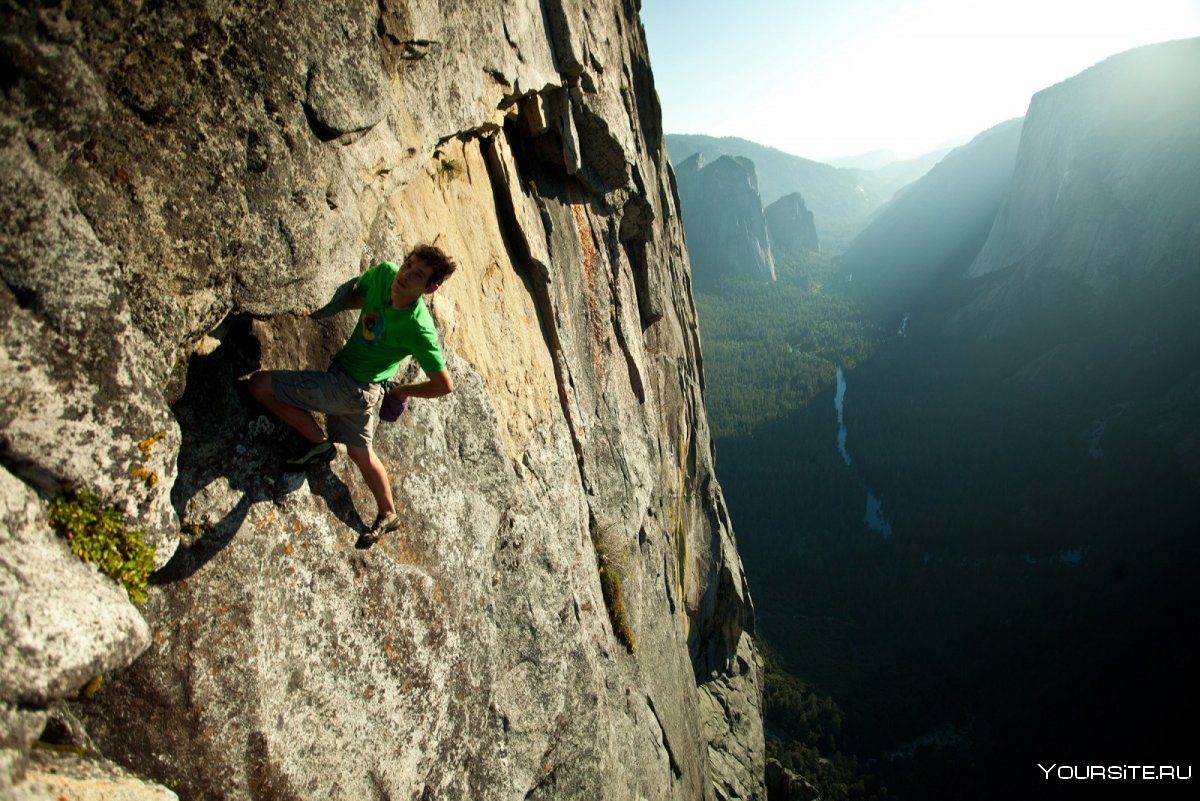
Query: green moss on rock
[[98, 534]]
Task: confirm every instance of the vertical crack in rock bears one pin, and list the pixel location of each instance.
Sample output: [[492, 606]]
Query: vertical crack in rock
[[635, 374], [561, 38], [536, 276], [650, 311], [667, 583], [676, 771], [637, 221]]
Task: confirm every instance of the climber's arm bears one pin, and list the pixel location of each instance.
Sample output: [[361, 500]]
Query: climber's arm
[[437, 385]]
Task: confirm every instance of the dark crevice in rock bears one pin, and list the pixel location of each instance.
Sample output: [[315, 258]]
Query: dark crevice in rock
[[675, 769], [44, 481], [558, 29], [512, 43], [486, 130], [394, 24], [535, 275], [416, 49], [64, 728], [210, 412], [670, 203], [498, 77], [692, 467], [513, 235], [319, 129], [25, 297], [637, 221], [545, 119], [667, 203], [635, 374], [697, 353], [649, 312], [604, 161], [394, 28], [148, 117], [232, 449], [667, 583], [730, 610]]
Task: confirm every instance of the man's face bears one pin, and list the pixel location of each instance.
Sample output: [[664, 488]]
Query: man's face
[[411, 282]]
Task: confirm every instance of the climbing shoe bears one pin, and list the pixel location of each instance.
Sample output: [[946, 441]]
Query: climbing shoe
[[382, 525], [320, 453]]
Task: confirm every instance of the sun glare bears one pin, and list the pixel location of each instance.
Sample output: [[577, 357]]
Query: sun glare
[[909, 77]]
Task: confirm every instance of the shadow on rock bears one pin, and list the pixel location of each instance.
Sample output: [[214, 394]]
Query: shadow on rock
[[231, 456]]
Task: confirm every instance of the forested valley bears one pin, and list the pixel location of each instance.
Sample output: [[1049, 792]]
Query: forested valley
[[1018, 590]]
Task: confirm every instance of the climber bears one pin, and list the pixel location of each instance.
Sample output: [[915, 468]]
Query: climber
[[393, 323]]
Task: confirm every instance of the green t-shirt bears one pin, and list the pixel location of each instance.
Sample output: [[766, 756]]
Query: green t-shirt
[[384, 336]]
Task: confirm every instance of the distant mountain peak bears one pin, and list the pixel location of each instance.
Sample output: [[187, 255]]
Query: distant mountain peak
[[840, 199], [723, 219], [791, 225]]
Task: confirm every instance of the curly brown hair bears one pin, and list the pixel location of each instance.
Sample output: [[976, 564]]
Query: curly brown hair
[[442, 265]]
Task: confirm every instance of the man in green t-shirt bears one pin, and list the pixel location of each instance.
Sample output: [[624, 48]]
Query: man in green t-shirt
[[393, 323]]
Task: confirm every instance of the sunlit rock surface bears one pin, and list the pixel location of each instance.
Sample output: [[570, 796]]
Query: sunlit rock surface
[[55, 774], [183, 185]]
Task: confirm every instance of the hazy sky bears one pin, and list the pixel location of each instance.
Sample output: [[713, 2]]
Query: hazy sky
[[827, 78]]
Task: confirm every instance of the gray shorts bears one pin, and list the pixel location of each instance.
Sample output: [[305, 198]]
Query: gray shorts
[[351, 408]]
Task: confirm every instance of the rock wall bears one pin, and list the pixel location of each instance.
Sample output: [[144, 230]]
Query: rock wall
[[183, 186], [723, 215], [1090, 275], [1103, 192], [791, 226]]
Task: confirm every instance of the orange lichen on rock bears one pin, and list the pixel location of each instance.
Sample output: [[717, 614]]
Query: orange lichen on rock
[[149, 476], [147, 444]]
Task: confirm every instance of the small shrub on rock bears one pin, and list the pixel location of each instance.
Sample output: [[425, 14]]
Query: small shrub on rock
[[610, 584], [605, 540], [97, 534]]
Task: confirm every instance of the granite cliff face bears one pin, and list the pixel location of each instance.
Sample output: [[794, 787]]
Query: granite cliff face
[[183, 185], [841, 199], [790, 225], [1090, 275], [1104, 188], [723, 215]]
